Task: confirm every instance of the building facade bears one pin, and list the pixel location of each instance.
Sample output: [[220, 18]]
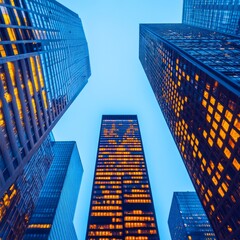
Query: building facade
[[17, 204], [217, 15], [44, 65], [187, 218], [121, 203], [53, 216], [194, 74]]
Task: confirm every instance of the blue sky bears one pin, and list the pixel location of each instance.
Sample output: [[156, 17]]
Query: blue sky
[[118, 85]]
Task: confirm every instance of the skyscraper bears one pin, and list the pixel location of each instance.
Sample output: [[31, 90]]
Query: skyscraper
[[121, 203], [194, 74], [44, 65], [53, 216], [187, 218], [218, 15], [18, 202]]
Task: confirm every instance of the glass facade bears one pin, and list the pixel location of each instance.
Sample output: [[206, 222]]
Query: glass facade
[[121, 203], [53, 216], [187, 219], [218, 15], [18, 202], [192, 73], [44, 64]]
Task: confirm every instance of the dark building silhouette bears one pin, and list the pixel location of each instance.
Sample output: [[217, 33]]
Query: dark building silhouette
[[121, 203], [44, 65], [53, 216], [194, 74], [217, 15], [187, 218]]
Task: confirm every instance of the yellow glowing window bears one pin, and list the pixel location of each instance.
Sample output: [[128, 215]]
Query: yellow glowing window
[[214, 124], [222, 134], [194, 154], [214, 180], [212, 133], [8, 97], [5, 16], [218, 175], [236, 164], [219, 143], [229, 228], [220, 167], [209, 192], [209, 170], [2, 51], [196, 77], [199, 154], [234, 135], [237, 123], [210, 109], [205, 134], [204, 162], [212, 100], [208, 118], [195, 148], [212, 207], [12, 2], [210, 141], [225, 125], [212, 165], [206, 197], [221, 192], [39, 226], [224, 186], [188, 78], [198, 182], [228, 115], [227, 152], [14, 47], [205, 94], [231, 143], [220, 107], [217, 117], [11, 34]]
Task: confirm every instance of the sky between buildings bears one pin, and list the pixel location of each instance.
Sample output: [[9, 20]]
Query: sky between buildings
[[118, 85]]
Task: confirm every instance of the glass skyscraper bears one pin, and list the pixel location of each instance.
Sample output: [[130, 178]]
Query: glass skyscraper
[[218, 15], [187, 218], [194, 74], [44, 65], [18, 202], [121, 204], [53, 216]]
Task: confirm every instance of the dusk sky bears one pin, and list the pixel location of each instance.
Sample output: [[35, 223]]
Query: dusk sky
[[118, 85]]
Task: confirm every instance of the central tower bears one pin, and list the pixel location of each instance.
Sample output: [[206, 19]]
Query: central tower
[[121, 203]]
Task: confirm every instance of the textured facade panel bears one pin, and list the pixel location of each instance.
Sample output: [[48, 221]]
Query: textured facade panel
[[55, 208], [18, 202], [201, 106], [217, 15], [187, 219], [44, 65], [121, 204]]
